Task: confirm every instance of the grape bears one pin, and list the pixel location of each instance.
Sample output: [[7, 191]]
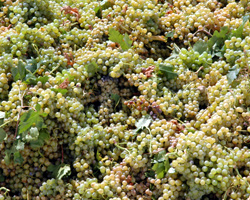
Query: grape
[[160, 112]]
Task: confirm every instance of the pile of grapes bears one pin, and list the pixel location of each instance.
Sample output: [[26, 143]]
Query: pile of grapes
[[124, 99]]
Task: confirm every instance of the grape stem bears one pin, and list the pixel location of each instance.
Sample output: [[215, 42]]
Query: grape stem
[[118, 146], [19, 113], [203, 30], [5, 189], [5, 123], [150, 143]]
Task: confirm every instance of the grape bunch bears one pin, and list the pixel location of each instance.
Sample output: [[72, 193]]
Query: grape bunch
[[124, 100]]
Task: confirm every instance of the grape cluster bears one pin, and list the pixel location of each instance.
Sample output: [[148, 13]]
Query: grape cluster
[[165, 117]]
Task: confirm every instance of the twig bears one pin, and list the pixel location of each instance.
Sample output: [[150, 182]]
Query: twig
[[203, 30], [199, 70]]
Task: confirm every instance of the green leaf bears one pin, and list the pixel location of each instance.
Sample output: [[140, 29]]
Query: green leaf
[[44, 135], [29, 118], [19, 72], [20, 145], [123, 41], [30, 79], [239, 31], [18, 157], [91, 68], [200, 46], [59, 90], [150, 173], [167, 71], [160, 157], [232, 74], [102, 6], [32, 65], [38, 107], [216, 42], [39, 142], [35, 144], [7, 157], [116, 98], [159, 169], [3, 135], [170, 34], [145, 121], [127, 42], [59, 171], [43, 79], [166, 165], [175, 52]]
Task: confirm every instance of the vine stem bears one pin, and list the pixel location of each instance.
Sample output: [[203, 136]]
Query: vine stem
[[118, 146], [19, 113]]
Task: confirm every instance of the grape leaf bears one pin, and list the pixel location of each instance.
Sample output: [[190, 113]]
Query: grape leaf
[[127, 41], [32, 79], [91, 68], [123, 41], [42, 138], [170, 34], [44, 135], [159, 169], [35, 144], [19, 73], [232, 74], [175, 52], [3, 134], [160, 157], [116, 98], [43, 79], [59, 171], [161, 165], [167, 71], [32, 65], [145, 121], [59, 90], [200, 46], [239, 31], [216, 42], [18, 157], [31, 117], [105, 4], [7, 157]]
